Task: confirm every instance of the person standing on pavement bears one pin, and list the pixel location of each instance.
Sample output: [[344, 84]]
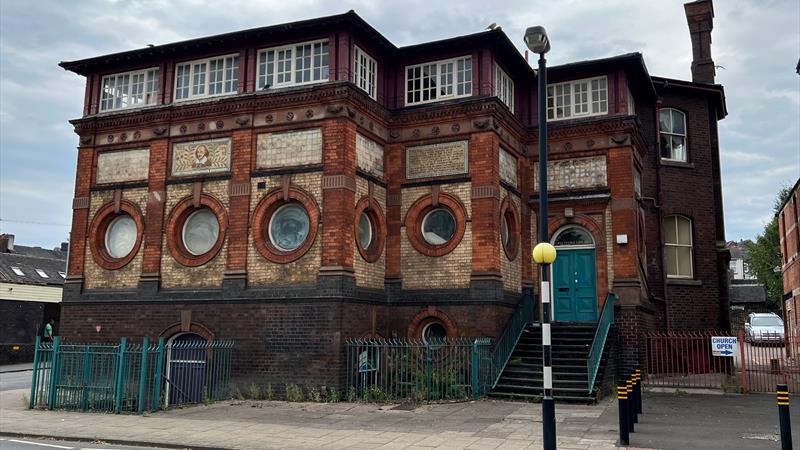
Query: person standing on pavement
[[48, 331]]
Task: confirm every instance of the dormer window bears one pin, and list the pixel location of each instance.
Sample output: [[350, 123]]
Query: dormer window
[[293, 64], [42, 273], [366, 72], [18, 271], [129, 90], [439, 80], [504, 88], [579, 98], [207, 77]]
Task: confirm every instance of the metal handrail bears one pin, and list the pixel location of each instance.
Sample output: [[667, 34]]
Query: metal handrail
[[599, 342], [522, 316]]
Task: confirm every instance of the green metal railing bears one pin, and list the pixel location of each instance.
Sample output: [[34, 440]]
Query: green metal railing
[[417, 370], [599, 342], [522, 316], [129, 377]]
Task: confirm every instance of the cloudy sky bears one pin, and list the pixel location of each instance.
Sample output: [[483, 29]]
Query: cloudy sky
[[757, 43]]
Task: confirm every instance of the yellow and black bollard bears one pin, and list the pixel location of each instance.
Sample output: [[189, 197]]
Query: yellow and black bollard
[[638, 373], [783, 411], [634, 407], [631, 407], [622, 396]]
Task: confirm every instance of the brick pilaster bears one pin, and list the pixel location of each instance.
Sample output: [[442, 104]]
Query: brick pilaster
[[239, 203], [485, 173], [154, 214], [623, 212], [395, 174], [80, 211], [338, 196]]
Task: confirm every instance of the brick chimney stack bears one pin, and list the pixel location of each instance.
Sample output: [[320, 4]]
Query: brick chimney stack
[[700, 16]]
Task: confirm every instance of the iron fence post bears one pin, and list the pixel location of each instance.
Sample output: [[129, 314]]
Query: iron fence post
[[120, 378], [428, 371], [87, 373], [159, 367], [35, 375], [51, 400], [142, 376], [783, 414], [475, 369]]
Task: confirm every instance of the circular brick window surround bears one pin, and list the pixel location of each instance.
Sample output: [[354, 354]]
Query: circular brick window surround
[[509, 228], [444, 225], [370, 230], [431, 323], [197, 225], [116, 236], [285, 229]]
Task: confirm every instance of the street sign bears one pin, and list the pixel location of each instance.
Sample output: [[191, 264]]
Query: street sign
[[364, 363], [724, 345]]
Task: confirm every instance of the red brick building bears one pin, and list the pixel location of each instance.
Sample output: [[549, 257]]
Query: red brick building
[[789, 233], [294, 185]]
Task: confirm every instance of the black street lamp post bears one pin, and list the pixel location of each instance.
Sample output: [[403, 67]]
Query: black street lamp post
[[544, 254]]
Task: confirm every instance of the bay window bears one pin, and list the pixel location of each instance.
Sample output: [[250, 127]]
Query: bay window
[[293, 64], [130, 89], [366, 72], [207, 77], [439, 80], [504, 87], [579, 98]]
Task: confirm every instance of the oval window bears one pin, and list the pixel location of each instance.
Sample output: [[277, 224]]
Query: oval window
[[288, 227], [365, 230], [121, 236], [200, 232], [433, 331], [438, 226], [505, 236]]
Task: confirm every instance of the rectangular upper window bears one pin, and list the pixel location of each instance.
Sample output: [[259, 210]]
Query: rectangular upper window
[[504, 88], [579, 98], [366, 72], [42, 273], [207, 77], [293, 64], [439, 80], [129, 89], [18, 271]]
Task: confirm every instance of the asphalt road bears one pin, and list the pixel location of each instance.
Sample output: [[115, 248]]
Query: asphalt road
[[7, 443], [15, 380]]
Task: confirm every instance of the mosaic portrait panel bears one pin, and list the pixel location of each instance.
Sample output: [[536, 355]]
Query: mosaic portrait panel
[[210, 156], [121, 166]]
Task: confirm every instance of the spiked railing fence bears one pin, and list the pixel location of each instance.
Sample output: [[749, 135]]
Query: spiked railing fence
[[129, 377], [418, 370]]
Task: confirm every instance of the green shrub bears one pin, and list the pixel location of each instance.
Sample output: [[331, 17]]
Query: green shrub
[[294, 393], [254, 392], [352, 395], [314, 395], [236, 394], [333, 395], [268, 393]]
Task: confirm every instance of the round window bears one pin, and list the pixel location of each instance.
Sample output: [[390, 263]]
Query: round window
[[365, 230], [289, 227], [438, 226], [121, 236], [505, 236], [434, 331], [200, 232]]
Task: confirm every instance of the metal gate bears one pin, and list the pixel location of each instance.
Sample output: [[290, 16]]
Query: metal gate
[[186, 368], [684, 359]]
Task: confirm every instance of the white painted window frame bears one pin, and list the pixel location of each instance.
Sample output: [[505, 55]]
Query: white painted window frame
[[570, 97], [206, 77], [261, 61], [673, 133], [365, 73], [155, 83], [671, 245], [454, 84], [504, 87]]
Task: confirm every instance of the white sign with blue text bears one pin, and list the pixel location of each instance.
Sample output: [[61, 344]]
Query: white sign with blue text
[[724, 345]]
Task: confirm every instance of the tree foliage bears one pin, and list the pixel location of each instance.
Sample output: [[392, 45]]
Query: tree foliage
[[764, 255]]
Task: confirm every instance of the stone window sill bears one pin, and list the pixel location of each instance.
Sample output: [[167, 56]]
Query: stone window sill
[[683, 165], [684, 282]]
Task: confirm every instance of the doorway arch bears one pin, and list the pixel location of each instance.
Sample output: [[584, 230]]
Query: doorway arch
[[574, 275]]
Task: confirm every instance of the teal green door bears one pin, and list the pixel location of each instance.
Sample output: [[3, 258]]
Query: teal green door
[[575, 286]]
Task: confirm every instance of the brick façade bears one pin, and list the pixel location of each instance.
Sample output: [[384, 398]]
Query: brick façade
[[338, 148]]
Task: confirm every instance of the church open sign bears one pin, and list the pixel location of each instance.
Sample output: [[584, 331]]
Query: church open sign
[[724, 345]]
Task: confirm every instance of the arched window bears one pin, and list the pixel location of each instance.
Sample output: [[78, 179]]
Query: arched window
[[678, 246], [673, 134], [573, 237]]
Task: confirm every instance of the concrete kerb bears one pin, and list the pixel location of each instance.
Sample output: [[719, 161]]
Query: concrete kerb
[[131, 443]]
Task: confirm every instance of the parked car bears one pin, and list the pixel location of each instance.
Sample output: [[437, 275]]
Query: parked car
[[764, 328]]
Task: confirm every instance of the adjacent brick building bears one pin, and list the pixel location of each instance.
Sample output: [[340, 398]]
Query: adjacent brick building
[[789, 233], [294, 185]]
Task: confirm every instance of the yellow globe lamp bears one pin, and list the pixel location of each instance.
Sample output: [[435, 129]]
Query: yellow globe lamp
[[544, 253]]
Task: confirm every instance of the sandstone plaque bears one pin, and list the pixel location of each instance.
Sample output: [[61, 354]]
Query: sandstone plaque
[[122, 166], [436, 160], [291, 148]]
